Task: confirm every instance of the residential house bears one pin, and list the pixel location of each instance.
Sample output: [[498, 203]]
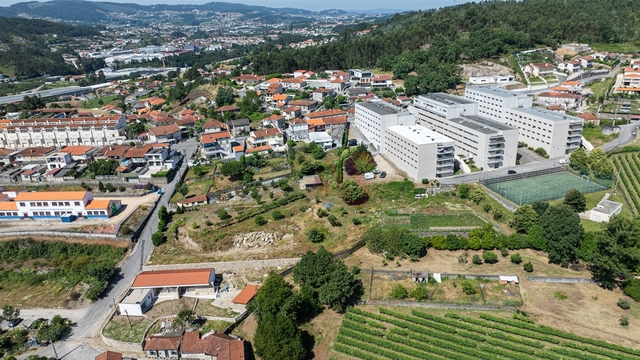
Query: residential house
[[276, 121], [136, 302], [79, 153], [334, 124], [280, 100], [34, 154], [586, 61], [272, 137], [112, 152], [193, 201], [173, 284], [164, 347], [590, 118], [337, 85], [382, 81], [538, 69], [168, 133], [274, 89], [326, 113], [239, 127], [568, 101], [303, 73], [260, 150], [157, 157], [294, 83], [109, 355], [322, 139], [602, 56], [571, 66], [291, 112], [248, 79], [298, 130], [305, 106], [321, 93], [311, 181], [340, 75], [58, 160], [361, 75], [631, 77], [213, 126], [222, 110], [217, 145], [216, 346]]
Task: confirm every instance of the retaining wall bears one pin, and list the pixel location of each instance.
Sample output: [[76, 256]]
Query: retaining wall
[[560, 280], [119, 345], [225, 265], [62, 233]]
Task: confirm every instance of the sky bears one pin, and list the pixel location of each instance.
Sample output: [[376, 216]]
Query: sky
[[310, 5]]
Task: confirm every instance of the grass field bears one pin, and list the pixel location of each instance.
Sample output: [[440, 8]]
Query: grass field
[[542, 188], [395, 334], [595, 136], [617, 48]]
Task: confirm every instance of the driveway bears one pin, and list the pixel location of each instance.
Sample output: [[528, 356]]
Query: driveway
[[78, 346]]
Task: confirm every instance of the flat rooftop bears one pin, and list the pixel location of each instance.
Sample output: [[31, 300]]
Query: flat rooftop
[[135, 296], [481, 124], [496, 91], [379, 107], [418, 134], [607, 207], [547, 114], [447, 99]]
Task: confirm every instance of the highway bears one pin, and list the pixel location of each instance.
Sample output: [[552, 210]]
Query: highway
[[69, 90], [79, 345]]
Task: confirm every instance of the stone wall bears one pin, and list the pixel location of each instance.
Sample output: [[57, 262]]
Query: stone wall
[[226, 265]]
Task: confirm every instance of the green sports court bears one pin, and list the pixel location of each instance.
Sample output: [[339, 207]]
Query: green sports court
[[522, 190]]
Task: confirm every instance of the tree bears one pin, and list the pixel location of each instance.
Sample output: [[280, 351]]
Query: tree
[[412, 245], [223, 214], [528, 267], [225, 96], [399, 292], [277, 215], [537, 239], [596, 155], [468, 287], [477, 196], [516, 258], [328, 279], [270, 299], [578, 160], [250, 103], [617, 252], [524, 217], [476, 259], [333, 220], [315, 235], [351, 192], [55, 330], [277, 337], [186, 316], [624, 304], [489, 257], [464, 190], [540, 207], [260, 220], [101, 186], [10, 313], [563, 233], [157, 238], [576, 200], [232, 168]]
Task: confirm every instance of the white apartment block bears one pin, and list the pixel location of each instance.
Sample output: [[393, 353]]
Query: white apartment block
[[372, 118], [491, 144], [492, 101], [558, 134], [26, 133], [419, 152]]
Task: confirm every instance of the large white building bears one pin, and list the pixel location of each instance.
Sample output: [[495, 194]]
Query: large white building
[[54, 204], [372, 118], [558, 134], [489, 143], [419, 152], [100, 131]]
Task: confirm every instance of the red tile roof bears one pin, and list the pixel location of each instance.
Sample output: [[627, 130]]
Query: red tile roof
[[36, 151], [109, 355], [212, 124], [173, 278], [265, 132], [326, 113], [219, 346], [246, 294], [193, 200], [165, 130], [227, 108], [76, 150], [258, 149], [211, 138], [163, 343]]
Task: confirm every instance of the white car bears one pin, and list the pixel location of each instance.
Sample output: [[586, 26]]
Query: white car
[[564, 161]]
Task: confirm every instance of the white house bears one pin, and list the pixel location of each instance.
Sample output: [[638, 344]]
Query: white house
[[137, 302]]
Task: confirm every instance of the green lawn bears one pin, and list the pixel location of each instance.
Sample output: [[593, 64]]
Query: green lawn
[[95, 103], [595, 136], [617, 48], [418, 221]]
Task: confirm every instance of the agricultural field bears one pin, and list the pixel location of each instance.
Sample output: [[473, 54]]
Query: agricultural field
[[397, 334], [424, 222], [628, 166]]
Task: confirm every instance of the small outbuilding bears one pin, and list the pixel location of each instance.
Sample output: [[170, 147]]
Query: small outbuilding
[[508, 280], [311, 181], [246, 295]]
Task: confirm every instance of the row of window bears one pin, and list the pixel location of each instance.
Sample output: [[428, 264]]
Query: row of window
[[52, 203], [8, 213]]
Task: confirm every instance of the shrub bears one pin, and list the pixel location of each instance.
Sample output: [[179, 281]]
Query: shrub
[[486, 208], [315, 235], [624, 304], [122, 188], [490, 257], [504, 252], [476, 260], [425, 181], [208, 222], [161, 225], [516, 259], [497, 215], [223, 214], [277, 215], [528, 267], [260, 221], [333, 220], [398, 292], [157, 238], [419, 293], [321, 213], [624, 320], [468, 287], [462, 259], [356, 221], [540, 151], [632, 289]]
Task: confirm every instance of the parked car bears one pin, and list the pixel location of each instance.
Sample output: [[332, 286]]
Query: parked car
[[383, 174], [352, 142], [563, 161], [376, 171], [511, 172], [369, 176], [14, 322]]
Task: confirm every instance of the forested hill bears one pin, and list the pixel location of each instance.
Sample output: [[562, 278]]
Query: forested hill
[[31, 28], [28, 45], [466, 32]]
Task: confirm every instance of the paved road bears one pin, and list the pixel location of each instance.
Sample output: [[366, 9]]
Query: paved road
[[69, 90], [626, 136], [76, 347]]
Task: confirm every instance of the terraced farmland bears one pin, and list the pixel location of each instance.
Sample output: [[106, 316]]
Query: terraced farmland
[[390, 334], [628, 166]]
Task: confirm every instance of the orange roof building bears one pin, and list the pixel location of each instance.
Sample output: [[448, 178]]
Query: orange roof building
[[246, 294], [55, 204], [109, 355], [174, 278]]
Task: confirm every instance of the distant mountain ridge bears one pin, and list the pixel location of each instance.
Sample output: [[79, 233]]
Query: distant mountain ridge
[[92, 11]]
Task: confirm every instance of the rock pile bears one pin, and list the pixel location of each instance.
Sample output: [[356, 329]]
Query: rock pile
[[258, 239]]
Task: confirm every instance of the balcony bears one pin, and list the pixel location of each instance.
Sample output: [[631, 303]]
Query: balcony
[[497, 140], [447, 149], [576, 125], [445, 156]]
